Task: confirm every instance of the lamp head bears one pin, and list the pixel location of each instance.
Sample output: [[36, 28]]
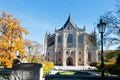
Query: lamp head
[[101, 26]]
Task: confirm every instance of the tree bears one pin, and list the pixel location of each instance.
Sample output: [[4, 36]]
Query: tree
[[11, 39], [118, 60], [112, 55], [112, 18], [34, 49]]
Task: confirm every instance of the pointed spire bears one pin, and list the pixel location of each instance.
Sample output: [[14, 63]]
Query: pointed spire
[[84, 27], [69, 18], [46, 34], [55, 29], [94, 32]]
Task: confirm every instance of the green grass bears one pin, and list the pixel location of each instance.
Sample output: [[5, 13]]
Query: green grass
[[0, 78], [1, 66], [73, 73], [67, 73]]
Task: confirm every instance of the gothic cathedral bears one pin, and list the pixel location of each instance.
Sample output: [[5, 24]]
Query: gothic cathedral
[[71, 46]]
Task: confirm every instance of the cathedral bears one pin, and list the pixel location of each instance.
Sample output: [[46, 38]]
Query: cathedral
[[71, 45]]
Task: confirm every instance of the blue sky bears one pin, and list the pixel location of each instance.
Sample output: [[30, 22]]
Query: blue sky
[[41, 15]]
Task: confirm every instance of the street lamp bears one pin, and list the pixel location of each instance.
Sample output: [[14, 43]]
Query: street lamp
[[101, 27]]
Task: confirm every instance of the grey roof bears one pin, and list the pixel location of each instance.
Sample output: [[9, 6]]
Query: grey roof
[[69, 21], [51, 40]]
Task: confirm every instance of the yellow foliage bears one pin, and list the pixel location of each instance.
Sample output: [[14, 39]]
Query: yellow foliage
[[112, 60], [11, 39], [47, 66]]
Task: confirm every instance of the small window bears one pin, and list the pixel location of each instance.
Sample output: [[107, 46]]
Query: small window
[[48, 59], [79, 59], [72, 52], [48, 53], [79, 52], [89, 56], [66, 52]]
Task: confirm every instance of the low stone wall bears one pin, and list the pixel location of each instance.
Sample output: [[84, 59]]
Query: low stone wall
[[23, 71], [78, 77]]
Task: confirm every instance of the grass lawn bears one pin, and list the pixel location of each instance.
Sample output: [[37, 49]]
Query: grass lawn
[[73, 73], [1, 66]]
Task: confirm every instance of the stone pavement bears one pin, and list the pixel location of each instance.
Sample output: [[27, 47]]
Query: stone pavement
[[74, 67]]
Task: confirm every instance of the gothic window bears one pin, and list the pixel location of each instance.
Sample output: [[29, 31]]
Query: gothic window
[[59, 39], [89, 56], [79, 38], [70, 38]]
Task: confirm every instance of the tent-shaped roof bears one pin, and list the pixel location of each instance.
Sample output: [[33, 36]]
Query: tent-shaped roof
[[69, 22]]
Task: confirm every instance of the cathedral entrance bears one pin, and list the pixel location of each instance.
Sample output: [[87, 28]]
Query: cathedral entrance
[[69, 61]]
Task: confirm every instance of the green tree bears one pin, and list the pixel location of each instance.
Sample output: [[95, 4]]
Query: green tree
[[118, 60]]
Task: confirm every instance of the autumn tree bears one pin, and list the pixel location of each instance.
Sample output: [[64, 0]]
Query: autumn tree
[[11, 39]]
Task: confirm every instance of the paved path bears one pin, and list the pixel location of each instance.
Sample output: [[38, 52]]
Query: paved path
[[73, 67]]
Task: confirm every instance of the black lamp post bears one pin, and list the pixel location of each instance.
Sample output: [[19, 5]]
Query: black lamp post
[[101, 27]]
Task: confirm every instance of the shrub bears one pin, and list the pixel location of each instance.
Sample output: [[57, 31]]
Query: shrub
[[115, 70], [16, 61], [98, 66], [93, 64], [118, 60]]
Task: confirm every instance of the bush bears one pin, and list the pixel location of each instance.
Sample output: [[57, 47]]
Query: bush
[[98, 66], [93, 64], [115, 70], [16, 61], [118, 60]]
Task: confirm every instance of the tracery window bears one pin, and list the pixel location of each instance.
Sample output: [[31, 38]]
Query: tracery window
[[70, 38]]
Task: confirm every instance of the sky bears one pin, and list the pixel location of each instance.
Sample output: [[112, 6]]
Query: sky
[[39, 16]]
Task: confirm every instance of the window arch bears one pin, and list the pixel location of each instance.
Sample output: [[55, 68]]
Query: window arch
[[70, 38]]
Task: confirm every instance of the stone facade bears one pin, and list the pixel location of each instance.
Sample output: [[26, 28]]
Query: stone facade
[[71, 46]]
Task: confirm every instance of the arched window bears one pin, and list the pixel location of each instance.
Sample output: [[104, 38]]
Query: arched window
[[59, 39], [80, 38], [70, 38]]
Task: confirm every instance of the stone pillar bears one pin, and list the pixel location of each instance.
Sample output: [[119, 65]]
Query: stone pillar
[[76, 58], [85, 55], [64, 58]]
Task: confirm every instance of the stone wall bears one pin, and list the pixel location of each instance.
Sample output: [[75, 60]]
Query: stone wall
[[23, 71], [78, 77]]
